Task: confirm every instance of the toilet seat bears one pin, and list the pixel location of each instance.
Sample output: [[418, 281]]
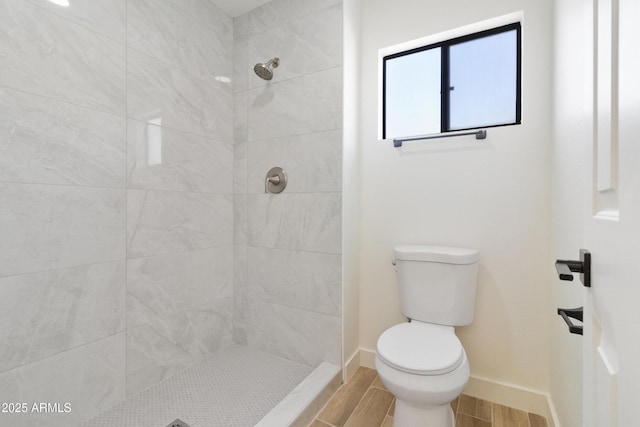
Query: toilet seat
[[421, 348]]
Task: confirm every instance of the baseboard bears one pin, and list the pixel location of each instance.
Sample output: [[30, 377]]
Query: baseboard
[[506, 394], [368, 358], [552, 417], [513, 396], [351, 366]]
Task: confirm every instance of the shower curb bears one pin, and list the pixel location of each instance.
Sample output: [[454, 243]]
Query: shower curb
[[304, 402]]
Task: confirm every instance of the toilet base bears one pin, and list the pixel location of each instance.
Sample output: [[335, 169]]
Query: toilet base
[[408, 415]]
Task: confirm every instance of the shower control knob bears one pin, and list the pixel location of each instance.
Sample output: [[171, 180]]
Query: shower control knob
[[276, 180]]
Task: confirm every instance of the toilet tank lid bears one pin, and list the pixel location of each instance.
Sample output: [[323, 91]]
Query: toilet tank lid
[[442, 254]]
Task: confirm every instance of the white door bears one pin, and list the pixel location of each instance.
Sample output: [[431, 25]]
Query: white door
[[611, 364]]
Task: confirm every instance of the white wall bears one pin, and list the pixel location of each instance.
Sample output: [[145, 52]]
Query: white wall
[[492, 195]]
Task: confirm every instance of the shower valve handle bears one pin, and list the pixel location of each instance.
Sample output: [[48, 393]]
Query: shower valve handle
[[275, 181]]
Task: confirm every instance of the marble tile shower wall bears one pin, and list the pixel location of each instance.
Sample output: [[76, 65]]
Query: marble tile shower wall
[[116, 198], [288, 283]]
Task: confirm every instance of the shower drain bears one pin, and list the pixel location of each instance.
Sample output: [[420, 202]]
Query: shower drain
[[178, 423]]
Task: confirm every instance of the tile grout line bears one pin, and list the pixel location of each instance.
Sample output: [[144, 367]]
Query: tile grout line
[[359, 401], [393, 402], [127, 303], [354, 408], [271, 27], [317, 417], [388, 414]]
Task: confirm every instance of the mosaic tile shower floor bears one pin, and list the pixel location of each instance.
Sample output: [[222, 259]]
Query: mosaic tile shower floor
[[235, 386]]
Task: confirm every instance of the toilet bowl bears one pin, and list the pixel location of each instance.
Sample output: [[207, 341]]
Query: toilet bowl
[[425, 367], [422, 362]]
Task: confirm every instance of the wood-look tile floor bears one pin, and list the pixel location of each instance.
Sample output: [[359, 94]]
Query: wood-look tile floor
[[365, 402]]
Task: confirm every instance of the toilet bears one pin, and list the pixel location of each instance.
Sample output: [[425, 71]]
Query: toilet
[[422, 362]]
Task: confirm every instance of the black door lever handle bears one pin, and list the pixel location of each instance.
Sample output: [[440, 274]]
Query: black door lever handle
[[566, 268], [572, 313], [564, 272]]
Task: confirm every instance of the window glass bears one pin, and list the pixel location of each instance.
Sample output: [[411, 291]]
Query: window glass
[[483, 81], [413, 94], [468, 82]]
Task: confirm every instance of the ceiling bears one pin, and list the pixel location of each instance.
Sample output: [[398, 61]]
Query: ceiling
[[238, 7]]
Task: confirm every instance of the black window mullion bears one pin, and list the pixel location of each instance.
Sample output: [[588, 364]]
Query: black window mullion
[[518, 29], [444, 88], [384, 98]]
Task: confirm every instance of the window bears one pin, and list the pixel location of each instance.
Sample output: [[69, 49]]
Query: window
[[468, 82]]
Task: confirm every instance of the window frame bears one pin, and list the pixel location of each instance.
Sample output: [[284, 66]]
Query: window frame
[[444, 46]]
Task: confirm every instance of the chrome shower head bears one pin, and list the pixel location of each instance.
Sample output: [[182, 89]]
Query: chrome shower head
[[265, 71]]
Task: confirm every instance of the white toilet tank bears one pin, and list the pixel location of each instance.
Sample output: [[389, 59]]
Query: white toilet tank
[[437, 284]]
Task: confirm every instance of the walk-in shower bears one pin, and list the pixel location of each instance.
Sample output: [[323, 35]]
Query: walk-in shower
[[145, 275]]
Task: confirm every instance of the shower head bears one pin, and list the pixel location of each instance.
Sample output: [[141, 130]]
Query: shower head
[[265, 71]]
